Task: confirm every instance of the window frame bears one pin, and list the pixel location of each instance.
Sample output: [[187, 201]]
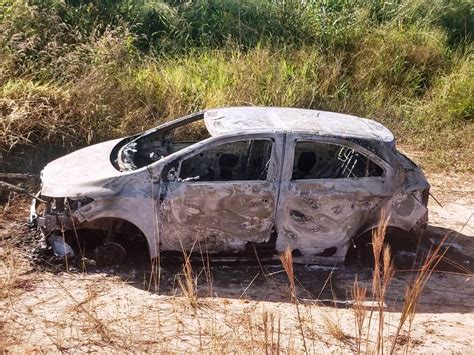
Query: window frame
[[290, 160], [177, 158]]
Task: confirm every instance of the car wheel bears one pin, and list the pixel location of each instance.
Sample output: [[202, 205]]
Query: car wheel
[[110, 253]]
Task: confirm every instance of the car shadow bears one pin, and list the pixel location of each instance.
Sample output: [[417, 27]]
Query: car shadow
[[254, 277], [449, 289]]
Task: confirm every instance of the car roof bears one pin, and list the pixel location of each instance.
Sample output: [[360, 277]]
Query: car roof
[[225, 120]]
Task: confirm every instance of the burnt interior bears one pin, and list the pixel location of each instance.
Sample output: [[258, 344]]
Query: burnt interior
[[321, 160], [241, 160], [160, 142]]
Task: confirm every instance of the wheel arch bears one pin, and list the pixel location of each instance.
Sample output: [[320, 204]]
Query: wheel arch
[[395, 235], [120, 223]]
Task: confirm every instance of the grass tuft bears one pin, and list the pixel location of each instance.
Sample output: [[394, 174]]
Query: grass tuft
[[74, 73]]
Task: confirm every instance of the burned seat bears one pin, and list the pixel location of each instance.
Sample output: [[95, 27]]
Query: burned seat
[[306, 162], [227, 163]]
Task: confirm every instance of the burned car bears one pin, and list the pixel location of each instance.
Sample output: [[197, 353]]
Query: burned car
[[258, 176]]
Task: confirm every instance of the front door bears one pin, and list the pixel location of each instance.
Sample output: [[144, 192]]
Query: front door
[[330, 188], [222, 195]]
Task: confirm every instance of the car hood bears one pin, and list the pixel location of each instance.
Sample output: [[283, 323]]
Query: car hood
[[88, 167]]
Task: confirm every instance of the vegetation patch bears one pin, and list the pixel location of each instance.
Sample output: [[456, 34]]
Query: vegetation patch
[[77, 72]]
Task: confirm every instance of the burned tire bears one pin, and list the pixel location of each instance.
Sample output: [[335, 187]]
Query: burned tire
[[401, 243], [110, 254]]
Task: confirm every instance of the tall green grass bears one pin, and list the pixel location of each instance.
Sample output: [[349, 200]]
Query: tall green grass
[[77, 71]]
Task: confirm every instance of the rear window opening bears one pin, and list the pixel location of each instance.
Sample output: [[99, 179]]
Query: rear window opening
[[321, 160]]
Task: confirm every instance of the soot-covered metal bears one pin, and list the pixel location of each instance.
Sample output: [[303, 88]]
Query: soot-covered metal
[[279, 177]]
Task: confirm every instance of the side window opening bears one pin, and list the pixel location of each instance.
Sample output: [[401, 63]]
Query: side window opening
[[320, 160], [242, 160], [157, 144], [169, 142]]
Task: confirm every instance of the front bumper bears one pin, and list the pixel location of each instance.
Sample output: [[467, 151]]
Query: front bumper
[[52, 225], [57, 213], [54, 222]]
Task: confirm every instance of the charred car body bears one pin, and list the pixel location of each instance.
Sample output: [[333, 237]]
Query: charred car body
[[277, 177]]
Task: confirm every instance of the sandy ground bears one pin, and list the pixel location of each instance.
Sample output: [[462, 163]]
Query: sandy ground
[[241, 307]]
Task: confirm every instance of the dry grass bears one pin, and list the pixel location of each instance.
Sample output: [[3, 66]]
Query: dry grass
[[286, 259], [90, 78], [99, 312], [369, 331], [334, 330], [359, 296], [188, 282], [382, 274], [10, 268]]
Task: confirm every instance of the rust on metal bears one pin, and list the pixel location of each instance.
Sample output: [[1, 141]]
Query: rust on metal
[[311, 180]]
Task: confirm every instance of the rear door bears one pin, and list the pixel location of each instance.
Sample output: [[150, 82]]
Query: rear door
[[222, 195], [330, 188]]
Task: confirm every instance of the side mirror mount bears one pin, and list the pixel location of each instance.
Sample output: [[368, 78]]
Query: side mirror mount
[[172, 175], [170, 172]]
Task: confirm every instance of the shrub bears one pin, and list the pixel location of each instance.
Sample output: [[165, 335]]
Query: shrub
[[108, 68]]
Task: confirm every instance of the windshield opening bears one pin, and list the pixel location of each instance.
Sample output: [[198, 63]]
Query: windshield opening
[[162, 141]]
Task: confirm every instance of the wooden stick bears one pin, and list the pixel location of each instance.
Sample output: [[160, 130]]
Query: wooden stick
[[17, 176], [7, 186]]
